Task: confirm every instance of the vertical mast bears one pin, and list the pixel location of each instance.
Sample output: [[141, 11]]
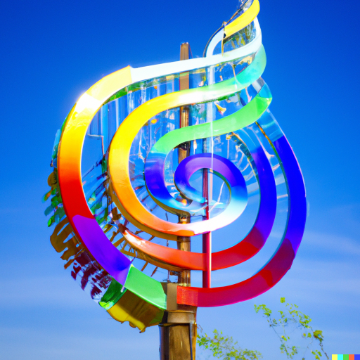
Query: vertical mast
[[183, 152], [178, 329]]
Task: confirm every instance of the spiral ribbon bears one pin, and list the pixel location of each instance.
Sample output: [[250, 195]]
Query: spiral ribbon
[[73, 204]]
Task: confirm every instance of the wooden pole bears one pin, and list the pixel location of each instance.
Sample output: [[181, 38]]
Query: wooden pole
[[178, 330], [184, 243]]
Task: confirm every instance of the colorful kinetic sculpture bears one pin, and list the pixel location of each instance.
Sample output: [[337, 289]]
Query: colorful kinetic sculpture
[[127, 205]]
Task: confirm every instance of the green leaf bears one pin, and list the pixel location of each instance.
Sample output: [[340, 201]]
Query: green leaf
[[282, 300], [318, 335]]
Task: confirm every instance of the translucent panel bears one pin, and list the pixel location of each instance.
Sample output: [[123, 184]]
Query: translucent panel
[[243, 6], [239, 39]]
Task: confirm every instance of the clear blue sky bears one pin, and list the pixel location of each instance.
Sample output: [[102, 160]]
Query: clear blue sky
[[52, 51]]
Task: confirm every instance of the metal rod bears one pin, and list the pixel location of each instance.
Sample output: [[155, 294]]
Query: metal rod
[[206, 238], [207, 191]]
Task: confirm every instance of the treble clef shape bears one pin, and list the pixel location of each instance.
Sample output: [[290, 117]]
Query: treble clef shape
[[86, 236]]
